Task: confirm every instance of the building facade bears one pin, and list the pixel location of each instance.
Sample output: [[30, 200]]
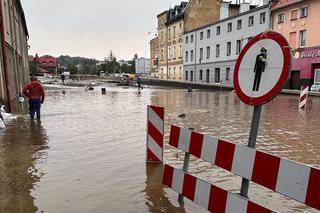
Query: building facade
[[154, 58], [298, 22], [142, 66], [211, 51], [14, 66]]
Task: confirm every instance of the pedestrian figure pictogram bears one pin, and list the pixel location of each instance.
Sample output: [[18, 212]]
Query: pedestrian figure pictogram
[[259, 68]]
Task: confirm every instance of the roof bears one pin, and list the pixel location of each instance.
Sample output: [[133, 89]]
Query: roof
[[284, 3], [47, 61], [226, 19], [177, 12]]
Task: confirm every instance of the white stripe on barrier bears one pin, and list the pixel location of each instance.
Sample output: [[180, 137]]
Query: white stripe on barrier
[[236, 204], [177, 182], [303, 103], [243, 161], [156, 149], [293, 180], [184, 139], [202, 193], [155, 120], [209, 148]]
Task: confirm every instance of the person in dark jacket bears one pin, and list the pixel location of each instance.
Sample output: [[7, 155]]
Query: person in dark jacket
[[139, 81], [35, 92], [259, 68]]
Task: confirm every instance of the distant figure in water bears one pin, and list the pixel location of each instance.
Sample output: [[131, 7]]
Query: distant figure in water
[[63, 77], [34, 91], [139, 81]]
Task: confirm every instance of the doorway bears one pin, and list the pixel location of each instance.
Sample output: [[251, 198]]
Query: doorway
[[295, 80], [217, 75], [208, 76], [191, 76]]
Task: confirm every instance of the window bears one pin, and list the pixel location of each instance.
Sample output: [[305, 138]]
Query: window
[[180, 51], [229, 27], [169, 33], [187, 39], [208, 33], [191, 38], [186, 77], [302, 38], [217, 50], [218, 30], [191, 55], [201, 35], [228, 48], [174, 52], [251, 21], [169, 53], [239, 46], [174, 32], [208, 52], [304, 12], [200, 75], [239, 24], [263, 18], [201, 54], [228, 74], [294, 14], [187, 56], [161, 54], [281, 18]]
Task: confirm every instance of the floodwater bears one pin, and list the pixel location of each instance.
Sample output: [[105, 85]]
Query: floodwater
[[88, 152]]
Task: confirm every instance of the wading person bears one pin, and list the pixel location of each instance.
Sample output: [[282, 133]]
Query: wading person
[[34, 91], [259, 68], [139, 81], [63, 77]]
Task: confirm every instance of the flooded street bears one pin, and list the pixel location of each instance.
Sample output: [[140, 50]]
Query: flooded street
[[88, 152]]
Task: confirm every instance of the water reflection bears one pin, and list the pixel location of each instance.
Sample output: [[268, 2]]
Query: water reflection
[[156, 199], [19, 145]]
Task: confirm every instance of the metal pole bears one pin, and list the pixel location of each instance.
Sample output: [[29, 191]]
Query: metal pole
[[252, 144], [185, 169]]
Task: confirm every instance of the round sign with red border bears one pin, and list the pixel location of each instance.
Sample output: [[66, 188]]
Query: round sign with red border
[[262, 68]]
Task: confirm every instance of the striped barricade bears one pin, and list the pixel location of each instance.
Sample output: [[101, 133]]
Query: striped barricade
[[155, 125], [292, 179], [303, 97], [208, 196]]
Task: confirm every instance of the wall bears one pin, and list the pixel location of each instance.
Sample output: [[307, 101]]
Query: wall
[[200, 13]]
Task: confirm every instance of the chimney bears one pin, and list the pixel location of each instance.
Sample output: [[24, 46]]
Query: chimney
[[224, 9], [244, 7]]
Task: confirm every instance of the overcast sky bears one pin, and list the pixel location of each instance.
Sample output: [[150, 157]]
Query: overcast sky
[[92, 28]]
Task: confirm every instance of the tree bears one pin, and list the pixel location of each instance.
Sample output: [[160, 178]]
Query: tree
[[72, 69], [33, 66]]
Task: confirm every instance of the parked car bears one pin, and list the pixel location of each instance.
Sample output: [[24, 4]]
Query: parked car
[[315, 87]]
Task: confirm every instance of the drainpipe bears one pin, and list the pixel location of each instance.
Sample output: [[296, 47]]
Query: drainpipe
[[195, 56], [4, 53]]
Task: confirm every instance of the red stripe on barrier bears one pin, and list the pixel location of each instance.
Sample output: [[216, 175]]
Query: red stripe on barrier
[[303, 97], [189, 186], [174, 136], [196, 142], [155, 134], [313, 193], [265, 170], [217, 200], [167, 176], [225, 153], [159, 111], [152, 157], [254, 208]]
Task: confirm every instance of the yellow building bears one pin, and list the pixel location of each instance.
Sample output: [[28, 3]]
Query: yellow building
[[170, 31]]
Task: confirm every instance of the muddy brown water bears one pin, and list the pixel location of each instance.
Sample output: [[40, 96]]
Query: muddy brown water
[[88, 152]]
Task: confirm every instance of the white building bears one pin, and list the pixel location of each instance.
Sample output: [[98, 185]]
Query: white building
[[210, 52], [142, 66]]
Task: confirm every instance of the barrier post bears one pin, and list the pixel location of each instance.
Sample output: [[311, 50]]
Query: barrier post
[[252, 144], [185, 169], [303, 97]]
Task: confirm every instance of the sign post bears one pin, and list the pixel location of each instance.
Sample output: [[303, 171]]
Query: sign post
[[260, 73]]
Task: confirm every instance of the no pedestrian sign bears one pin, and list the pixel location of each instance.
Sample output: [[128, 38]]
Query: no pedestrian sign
[[262, 68]]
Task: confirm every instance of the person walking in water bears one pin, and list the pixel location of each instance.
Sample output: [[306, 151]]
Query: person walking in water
[[259, 68], [139, 81], [63, 77], [35, 92]]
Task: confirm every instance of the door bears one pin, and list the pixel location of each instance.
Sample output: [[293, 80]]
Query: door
[[217, 75], [295, 80], [208, 76], [191, 76]]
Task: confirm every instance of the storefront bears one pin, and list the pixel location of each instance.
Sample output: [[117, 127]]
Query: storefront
[[305, 62]]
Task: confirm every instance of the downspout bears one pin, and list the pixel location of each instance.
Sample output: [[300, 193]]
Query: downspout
[[4, 53], [195, 56]]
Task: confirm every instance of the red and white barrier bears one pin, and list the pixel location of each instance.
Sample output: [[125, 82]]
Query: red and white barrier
[[155, 124], [208, 196], [303, 97], [295, 180]]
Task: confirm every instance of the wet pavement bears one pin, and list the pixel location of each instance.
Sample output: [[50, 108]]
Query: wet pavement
[[88, 152]]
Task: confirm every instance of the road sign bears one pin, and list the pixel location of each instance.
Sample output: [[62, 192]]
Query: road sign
[[262, 68]]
